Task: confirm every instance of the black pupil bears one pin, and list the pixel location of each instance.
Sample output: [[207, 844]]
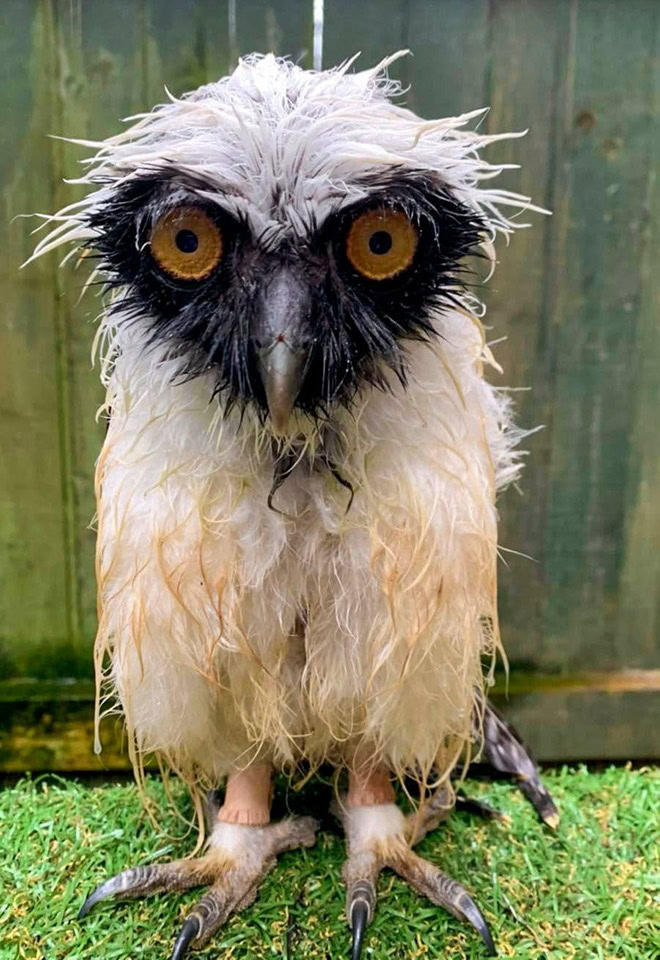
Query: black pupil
[[380, 242], [186, 241]]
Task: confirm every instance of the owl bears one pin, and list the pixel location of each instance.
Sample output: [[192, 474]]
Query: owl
[[297, 530]]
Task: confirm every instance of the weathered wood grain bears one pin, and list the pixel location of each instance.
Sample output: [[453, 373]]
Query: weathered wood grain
[[637, 635], [448, 70], [374, 30], [36, 629], [529, 89], [606, 154]]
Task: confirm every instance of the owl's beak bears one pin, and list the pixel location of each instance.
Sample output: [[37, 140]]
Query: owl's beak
[[280, 368], [281, 340]]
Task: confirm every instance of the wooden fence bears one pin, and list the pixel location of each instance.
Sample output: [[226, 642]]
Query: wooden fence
[[577, 296]]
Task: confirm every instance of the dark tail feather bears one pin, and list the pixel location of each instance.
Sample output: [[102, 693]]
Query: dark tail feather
[[502, 749]]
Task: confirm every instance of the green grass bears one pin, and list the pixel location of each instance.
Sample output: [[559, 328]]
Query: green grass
[[590, 891]]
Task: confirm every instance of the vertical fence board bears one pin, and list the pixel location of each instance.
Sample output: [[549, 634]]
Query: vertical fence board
[[372, 30], [530, 55], [283, 27], [597, 316], [184, 49], [638, 626], [449, 66], [34, 574], [95, 56]]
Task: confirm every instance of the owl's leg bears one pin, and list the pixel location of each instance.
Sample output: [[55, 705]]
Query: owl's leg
[[241, 850], [378, 835]]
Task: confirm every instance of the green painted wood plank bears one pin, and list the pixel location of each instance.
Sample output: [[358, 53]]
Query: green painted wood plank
[[35, 570], [638, 624], [283, 27], [448, 71], [607, 154], [530, 88], [373, 30], [184, 49], [96, 54], [587, 725]]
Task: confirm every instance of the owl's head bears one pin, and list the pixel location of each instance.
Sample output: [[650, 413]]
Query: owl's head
[[288, 232]]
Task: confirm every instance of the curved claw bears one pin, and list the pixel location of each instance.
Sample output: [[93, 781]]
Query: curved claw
[[189, 932], [446, 892], [361, 900], [122, 883], [359, 923], [99, 894], [141, 881], [471, 912]]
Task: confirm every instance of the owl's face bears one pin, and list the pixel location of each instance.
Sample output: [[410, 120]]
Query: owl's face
[[286, 318], [286, 233]]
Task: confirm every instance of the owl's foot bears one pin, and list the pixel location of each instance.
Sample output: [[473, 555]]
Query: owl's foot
[[236, 860], [378, 835]]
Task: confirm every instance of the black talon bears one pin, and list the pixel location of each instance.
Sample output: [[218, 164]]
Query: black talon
[[473, 914], [359, 922], [104, 890], [189, 932], [133, 882], [86, 907]]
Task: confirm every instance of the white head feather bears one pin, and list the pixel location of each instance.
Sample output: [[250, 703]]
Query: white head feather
[[308, 139]]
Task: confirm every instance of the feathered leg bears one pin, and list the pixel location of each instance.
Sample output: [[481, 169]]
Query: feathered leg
[[241, 850], [378, 835]]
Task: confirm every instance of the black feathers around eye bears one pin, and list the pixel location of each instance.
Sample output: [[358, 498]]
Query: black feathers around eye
[[360, 319], [448, 230], [363, 322], [205, 324]]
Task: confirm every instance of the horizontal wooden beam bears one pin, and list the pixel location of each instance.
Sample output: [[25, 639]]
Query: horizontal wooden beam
[[57, 735], [519, 681], [589, 716], [610, 681]]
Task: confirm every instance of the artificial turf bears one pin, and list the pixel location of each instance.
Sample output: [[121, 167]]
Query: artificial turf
[[590, 891]]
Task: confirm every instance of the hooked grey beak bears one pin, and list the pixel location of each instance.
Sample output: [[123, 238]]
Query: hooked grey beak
[[282, 338]]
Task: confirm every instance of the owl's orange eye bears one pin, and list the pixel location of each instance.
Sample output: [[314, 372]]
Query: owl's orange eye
[[381, 243], [187, 243]]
